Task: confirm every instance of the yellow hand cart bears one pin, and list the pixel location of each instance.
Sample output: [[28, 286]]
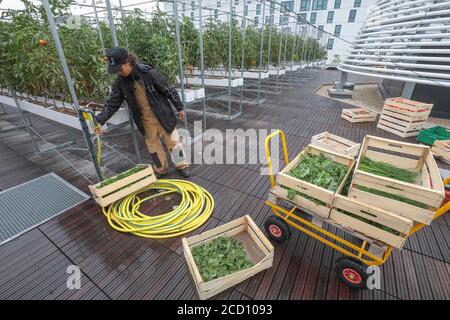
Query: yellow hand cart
[[352, 267]]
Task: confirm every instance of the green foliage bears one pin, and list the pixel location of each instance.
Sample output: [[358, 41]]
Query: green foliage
[[387, 170], [220, 257], [122, 175], [36, 69], [320, 170]]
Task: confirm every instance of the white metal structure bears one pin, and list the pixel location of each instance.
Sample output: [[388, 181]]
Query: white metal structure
[[404, 40], [341, 17]]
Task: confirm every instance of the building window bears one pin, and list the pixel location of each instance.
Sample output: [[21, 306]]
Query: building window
[[330, 16], [320, 32], [319, 4], [337, 4], [245, 10], [330, 44], [219, 3], [269, 19], [287, 6], [233, 10], [302, 18], [304, 31], [192, 5], [337, 30], [305, 5], [357, 4], [256, 20], [236, 2], [313, 17], [216, 14], [272, 7], [183, 6], [192, 15], [258, 9], [352, 16]]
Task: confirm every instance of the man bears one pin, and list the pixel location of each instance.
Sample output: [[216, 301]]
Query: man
[[147, 94]]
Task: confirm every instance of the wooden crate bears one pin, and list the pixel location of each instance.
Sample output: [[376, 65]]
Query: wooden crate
[[358, 115], [336, 144], [348, 214], [110, 193], [404, 117], [258, 248], [284, 180], [427, 190], [441, 149]]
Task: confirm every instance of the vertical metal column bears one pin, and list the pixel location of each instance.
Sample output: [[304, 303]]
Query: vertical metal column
[[229, 59], [180, 59], [202, 62], [62, 58], [261, 49], [279, 58], [130, 115], [269, 47], [122, 17], [100, 34], [244, 25]]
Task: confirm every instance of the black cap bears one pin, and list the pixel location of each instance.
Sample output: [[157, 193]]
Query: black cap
[[116, 58]]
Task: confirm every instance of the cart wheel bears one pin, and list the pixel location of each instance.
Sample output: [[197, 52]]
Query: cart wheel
[[277, 229], [352, 272]]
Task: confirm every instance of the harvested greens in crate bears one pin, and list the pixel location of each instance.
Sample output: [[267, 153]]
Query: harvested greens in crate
[[312, 178]]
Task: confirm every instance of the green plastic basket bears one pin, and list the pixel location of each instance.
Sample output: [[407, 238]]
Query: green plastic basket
[[427, 136]]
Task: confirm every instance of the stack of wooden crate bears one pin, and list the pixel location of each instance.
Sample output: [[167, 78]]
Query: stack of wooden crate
[[370, 209], [403, 117], [374, 208]]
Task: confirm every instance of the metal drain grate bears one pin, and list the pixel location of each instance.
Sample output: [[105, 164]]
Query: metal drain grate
[[34, 202]]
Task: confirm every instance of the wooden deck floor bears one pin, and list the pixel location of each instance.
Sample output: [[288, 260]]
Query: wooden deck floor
[[120, 266]]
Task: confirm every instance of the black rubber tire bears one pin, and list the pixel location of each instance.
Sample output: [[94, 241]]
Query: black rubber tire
[[347, 268], [284, 231]]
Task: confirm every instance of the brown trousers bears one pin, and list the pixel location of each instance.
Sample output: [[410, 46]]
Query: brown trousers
[[154, 132]]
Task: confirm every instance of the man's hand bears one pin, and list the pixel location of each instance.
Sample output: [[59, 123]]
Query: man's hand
[[99, 130], [181, 115]]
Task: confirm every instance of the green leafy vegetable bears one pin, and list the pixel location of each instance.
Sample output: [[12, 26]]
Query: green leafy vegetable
[[321, 171], [121, 176], [387, 170], [220, 257]]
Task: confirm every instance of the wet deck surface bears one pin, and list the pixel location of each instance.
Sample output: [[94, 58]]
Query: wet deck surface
[[121, 266]]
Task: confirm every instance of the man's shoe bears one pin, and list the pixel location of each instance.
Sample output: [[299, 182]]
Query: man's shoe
[[160, 174], [186, 172]]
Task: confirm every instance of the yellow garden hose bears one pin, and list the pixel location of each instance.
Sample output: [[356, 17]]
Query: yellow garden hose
[[194, 209]]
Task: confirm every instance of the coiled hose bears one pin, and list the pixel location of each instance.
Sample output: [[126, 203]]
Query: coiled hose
[[194, 209]]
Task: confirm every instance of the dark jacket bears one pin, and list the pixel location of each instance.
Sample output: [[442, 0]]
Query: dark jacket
[[159, 92]]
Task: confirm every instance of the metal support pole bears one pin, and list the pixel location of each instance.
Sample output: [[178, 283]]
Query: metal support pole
[[100, 34], [130, 115], [279, 58], [244, 25], [269, 47], [122, 17], [261, 50], [229, 59], [202, 62], [180, 59], [62, 58]]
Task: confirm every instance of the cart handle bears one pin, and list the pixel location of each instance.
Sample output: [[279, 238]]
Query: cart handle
[[268, 153]]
